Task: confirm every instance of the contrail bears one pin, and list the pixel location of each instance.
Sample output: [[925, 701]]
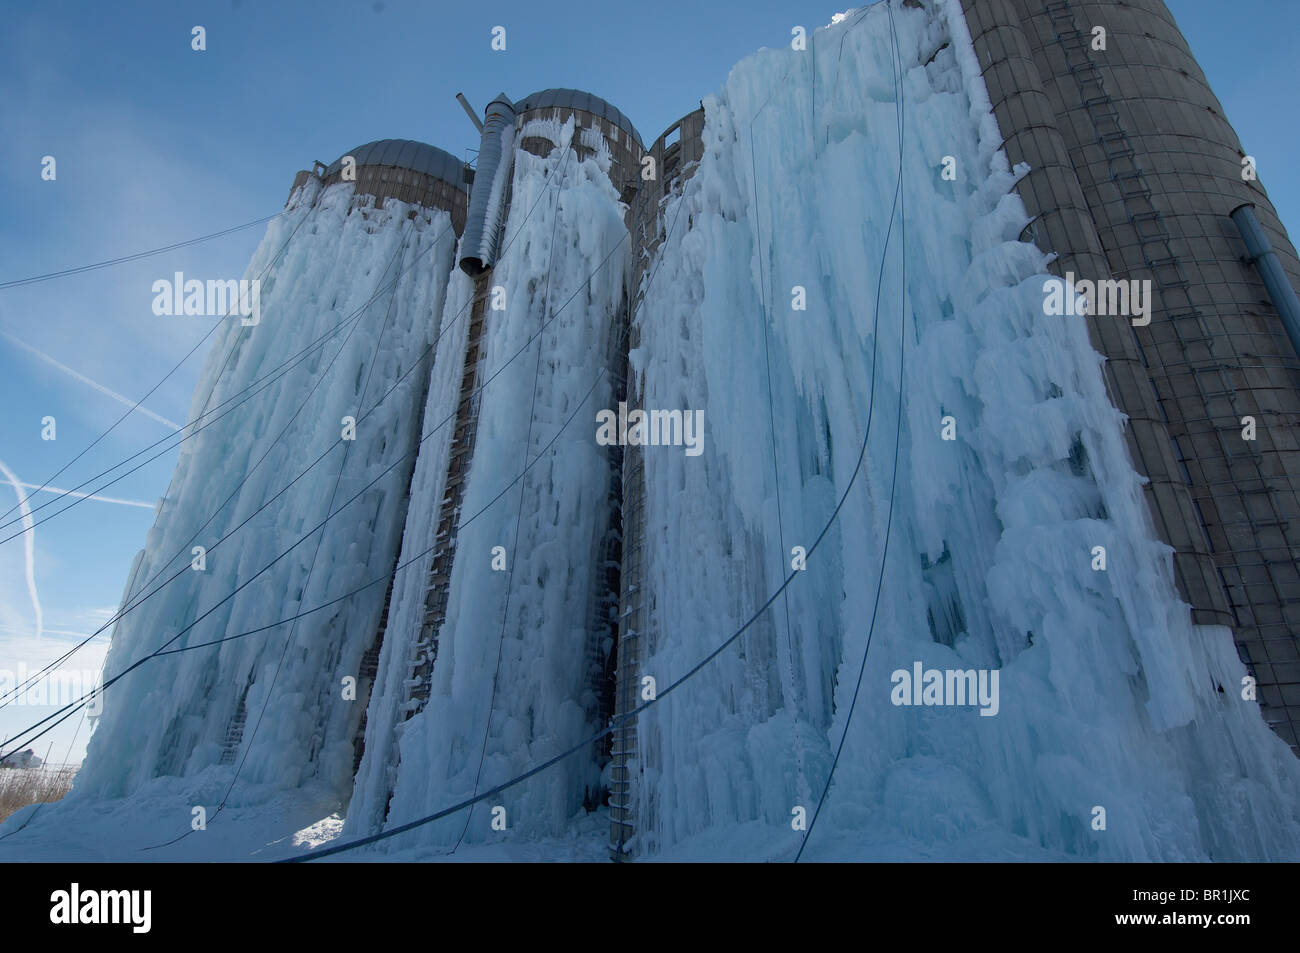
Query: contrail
[[15, 630], [89, 383], [88, 496], [29, 544]]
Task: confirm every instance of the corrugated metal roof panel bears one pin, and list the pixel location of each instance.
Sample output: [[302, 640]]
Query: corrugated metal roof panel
[[579, 99], [406, 154], [403, 155]]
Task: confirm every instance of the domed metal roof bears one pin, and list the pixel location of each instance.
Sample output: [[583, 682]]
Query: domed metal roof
[[577, 99], [405, 154]]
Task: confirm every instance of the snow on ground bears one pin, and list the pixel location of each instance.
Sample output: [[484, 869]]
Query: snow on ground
[[272, 824]]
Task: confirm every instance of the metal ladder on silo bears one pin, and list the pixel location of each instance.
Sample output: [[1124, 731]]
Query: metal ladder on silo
[[1168, 275], [368, 668], [630, 622], [1153, 236], [436, 590], [634, 636], [603, 621], [235, 730]]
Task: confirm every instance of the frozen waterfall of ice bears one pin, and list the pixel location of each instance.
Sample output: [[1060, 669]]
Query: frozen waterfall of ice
[[512, 684], [171, 716], [1109, 696]]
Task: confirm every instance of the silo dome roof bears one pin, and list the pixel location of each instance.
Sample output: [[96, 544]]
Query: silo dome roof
[[405, 154], [577, 99]]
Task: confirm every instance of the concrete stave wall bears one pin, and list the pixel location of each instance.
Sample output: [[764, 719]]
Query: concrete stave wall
[[1135, 171]]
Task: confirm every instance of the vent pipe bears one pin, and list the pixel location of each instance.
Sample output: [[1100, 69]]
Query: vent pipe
[[1260, 251], [491, 179], [469, 111]]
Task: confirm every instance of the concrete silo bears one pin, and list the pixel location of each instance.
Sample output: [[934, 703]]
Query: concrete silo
[[1135, 172], [674, 156], [543, 274], [531, 581], [352, 276]]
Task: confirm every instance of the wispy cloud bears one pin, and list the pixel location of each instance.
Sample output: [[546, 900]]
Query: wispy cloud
[[29, 544], [88, 496], [22, 630], [108, 392]]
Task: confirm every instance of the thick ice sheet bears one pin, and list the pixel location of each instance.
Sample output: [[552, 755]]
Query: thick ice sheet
[[171, 716], [562, 264], [1109, 697]]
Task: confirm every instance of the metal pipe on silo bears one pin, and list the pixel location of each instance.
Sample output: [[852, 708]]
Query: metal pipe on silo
[[469, 111], [1260, 252], [486, 202]]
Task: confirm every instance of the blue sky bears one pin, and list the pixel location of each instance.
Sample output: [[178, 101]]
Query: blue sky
[[156, 143]]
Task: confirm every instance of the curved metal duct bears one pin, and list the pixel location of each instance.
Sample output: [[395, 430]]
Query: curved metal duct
[[491, 178]]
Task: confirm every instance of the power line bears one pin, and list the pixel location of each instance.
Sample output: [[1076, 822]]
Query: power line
[[311, 569], [900, 202], [792, 686], [175, 368], [415, 558], [187, 433], [270, 446], [380, 579], [620, 721], [287, 366], [309, 347], [663, 694], [358, 494], [519, 513], [615, 724], [81, 269], [33, 679], [78, 497], [402, 377]]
